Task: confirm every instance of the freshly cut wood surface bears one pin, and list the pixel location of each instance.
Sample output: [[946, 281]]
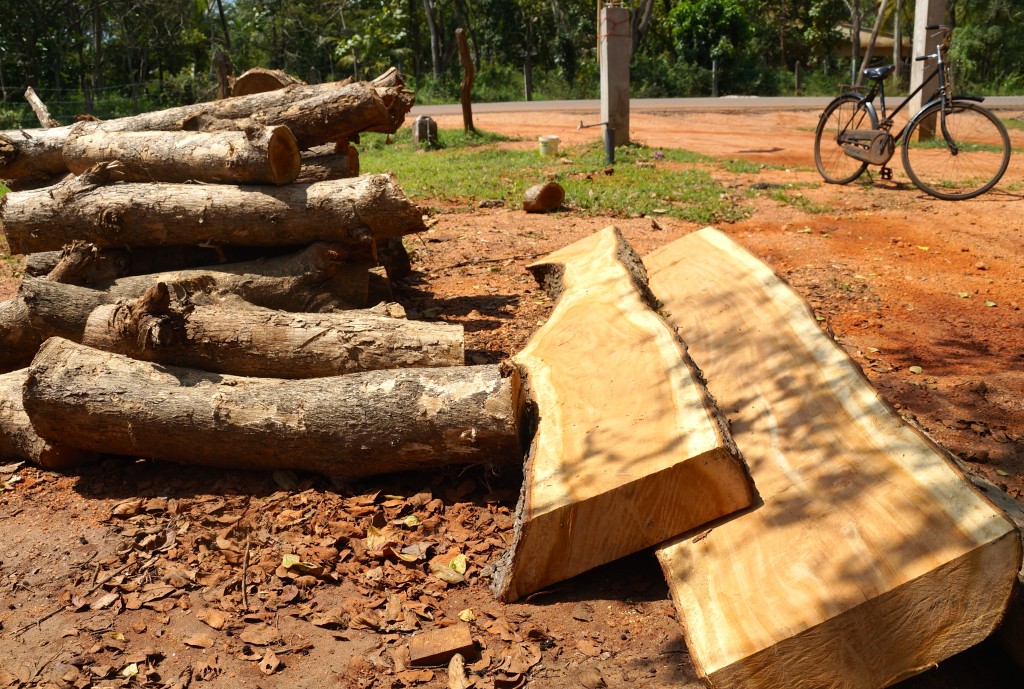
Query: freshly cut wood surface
[[261, 80], [344, 426], [629, 450], [871, 557], [85, 208], [18, 437], [267, 343], [257, 155]]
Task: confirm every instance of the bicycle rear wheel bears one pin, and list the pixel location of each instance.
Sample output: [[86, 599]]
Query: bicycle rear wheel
[[844, 113], [975, 165]]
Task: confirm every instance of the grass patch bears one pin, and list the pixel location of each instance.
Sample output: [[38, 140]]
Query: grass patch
[[797, 200], [3, 189], [1012, 123], [464, 169]]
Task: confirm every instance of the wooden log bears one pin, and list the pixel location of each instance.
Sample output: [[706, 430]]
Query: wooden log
[[319, 278], [316, 114], [354, 210], [871, 558], [257, 155], [82, 263], [18, 437], [261, 80], [326, 166], [32, 155], [629, 449], [40, 109], [346, 427], [266, 343]]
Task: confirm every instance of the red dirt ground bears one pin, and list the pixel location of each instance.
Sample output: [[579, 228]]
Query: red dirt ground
[[114, 569]]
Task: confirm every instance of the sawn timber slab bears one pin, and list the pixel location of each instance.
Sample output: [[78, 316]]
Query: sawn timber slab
[[871, 558], [629, 450]]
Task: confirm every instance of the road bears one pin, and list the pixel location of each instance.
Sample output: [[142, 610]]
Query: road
[[667, 105]]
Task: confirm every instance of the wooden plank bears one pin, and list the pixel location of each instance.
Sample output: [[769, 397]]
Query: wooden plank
[[871, 557], [629, 450]]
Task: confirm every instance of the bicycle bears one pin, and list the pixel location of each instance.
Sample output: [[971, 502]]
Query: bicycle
[[952, 148]]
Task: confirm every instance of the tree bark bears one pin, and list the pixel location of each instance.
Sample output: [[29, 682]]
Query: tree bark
[[629, 449], [354, 211], [466, 85], [31, 155], [320, 278], [18, 437], [347, 427], [258, 155], [40, 109], [82, 263], [316, 114], [265, 343], [871, 557], [328, 166], [261, 80]]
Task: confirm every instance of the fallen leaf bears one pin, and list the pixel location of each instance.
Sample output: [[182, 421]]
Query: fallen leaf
[[260, 635], [104, 601], [213, 617], [270, 663], [964, 295], [916, 369], [591, 678], [199, 641], [458, 563], [1002, 473], [457, 678], [130, 670], [584, 612], [588, 648], [990, 304], [127, 508], [467, 615]]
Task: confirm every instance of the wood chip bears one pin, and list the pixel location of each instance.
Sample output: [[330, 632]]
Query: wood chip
[[437, 646]]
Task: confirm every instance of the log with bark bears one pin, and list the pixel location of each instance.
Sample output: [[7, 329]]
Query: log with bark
[[346, 427], [256, 155], [40, 109], [871, 558], [266, 343], [629, 449], [316, 114], [319, 278], [323, 165], [18, 437], [261, 80], [354, 210], [32, 156], [82, 263]]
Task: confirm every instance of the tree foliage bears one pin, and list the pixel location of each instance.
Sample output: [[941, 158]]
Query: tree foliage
[[113, 56]]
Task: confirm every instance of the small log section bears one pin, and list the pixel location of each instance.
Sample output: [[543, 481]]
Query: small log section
[[261, 80], [29, 156], [40, 109], [265, 343], [258, 155], [629, 449], [346, 427], [354, 210], [18, 437], [871, 558], [319, 278]]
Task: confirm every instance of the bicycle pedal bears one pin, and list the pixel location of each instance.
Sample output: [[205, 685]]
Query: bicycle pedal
[[886, 173]]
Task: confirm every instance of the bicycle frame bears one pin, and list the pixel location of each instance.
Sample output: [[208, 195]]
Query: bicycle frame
[[886, 121]]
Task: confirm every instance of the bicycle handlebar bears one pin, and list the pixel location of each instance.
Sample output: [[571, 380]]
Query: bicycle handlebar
[[934, 27]]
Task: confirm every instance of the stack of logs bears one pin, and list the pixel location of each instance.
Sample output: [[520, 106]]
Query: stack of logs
[[197, 290]]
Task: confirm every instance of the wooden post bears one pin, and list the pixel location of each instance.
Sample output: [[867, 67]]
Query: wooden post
[[615, 50], [926, 13], [466, 86]]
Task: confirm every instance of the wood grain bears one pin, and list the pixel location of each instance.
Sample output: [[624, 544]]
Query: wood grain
[[629, 450], [871, 557]]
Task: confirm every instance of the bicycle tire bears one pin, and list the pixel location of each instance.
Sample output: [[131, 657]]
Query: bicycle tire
[[979, 163], [843, 113]]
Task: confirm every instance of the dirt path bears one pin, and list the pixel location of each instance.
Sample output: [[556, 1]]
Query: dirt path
[[176, 572]]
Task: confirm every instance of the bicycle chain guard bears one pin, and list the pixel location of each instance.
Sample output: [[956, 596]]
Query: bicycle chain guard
[[872, 146]]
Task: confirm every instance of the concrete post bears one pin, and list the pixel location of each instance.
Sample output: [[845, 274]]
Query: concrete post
[[926, 13], [615, 47]]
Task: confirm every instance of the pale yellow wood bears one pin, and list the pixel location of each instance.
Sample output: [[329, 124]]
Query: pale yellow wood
[[629, 450], [871, 557]]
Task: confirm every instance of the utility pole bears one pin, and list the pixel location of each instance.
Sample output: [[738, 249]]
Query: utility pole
[[615, 42], [926, 13]]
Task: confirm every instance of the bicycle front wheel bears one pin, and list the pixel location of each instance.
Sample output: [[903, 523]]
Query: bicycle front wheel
[[969, 163], [843, 114]]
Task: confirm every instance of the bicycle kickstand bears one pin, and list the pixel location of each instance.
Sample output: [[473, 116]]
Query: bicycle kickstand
[[886, 173]]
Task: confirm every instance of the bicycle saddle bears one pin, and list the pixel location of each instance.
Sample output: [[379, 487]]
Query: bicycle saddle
[[878, 73]]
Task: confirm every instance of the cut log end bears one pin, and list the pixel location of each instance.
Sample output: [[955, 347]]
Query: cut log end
[[261, 80], [284, 156]]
